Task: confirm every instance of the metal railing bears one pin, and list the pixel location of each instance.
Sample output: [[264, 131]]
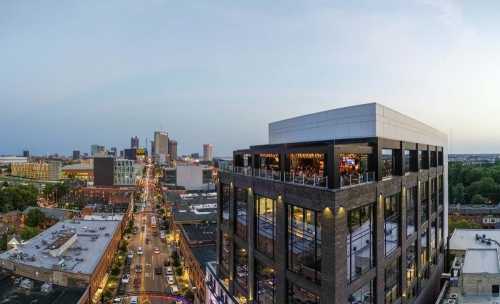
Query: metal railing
[[356, 179]]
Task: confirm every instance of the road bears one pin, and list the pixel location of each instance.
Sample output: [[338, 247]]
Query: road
[[148, 238]]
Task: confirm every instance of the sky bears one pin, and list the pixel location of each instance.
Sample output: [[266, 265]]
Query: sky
[[75, 73]]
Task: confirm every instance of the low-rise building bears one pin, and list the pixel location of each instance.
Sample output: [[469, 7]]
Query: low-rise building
[[190, 176], [49, 170], [82, 171]]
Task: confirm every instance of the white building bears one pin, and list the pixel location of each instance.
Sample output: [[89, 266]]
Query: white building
[[124, 172], [190, 176]]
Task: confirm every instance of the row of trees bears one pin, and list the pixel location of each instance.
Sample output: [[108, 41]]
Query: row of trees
[[17, 197], [475, 184]]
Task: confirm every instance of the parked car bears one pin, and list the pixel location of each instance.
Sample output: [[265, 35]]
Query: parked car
[[137, 282], [158, 270], [126, 279], [138, 268], [156, 250], [133, 300], [140, 251], [170, 271], [170, 280]]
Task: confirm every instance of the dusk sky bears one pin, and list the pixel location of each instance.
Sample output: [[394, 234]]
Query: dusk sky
[[74, 73]]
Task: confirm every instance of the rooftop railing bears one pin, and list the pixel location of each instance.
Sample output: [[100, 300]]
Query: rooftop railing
[[350, 180]]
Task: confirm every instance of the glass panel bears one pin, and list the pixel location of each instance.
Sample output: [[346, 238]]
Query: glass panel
[[299, 295], [364, 295], [432, 243], [265, 281], [411, 271], [304, 242], [225, 256], [353, 169], [411, 210], [265, 225], [269, 161], [307, 164], [407, 161], [392, 281], [241, 268], [424, 196], [359, 241], [423, 267], [387, 163], [241, 213], [226, 202], [392, 216]]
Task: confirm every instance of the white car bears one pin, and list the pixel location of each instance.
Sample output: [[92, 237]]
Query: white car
[[126, 279], [170, 280], [133, 300], [139, 251], [157, 250], [169, 271]]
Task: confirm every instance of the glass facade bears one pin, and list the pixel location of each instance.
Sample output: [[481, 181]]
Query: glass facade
[[434, 195], [241, 198], [392, 279], [411, 210], [299, 295], [241, 269], [407, 161], [392, 219], [226, 202], [360, 241], [423, 267], [265, 283], [411, 271], [363, 295], [433, 243], [265, 224], [440, 191], [387, 163], [304, 242], [424, 197], [225, 256], [353, 168]]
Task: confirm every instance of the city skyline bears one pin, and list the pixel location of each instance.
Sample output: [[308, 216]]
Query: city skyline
[[75, 74]]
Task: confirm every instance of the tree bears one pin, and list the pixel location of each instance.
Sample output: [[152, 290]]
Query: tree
[[461, 223], [478, 199], [29, 232], [34, 218], [3, 242]]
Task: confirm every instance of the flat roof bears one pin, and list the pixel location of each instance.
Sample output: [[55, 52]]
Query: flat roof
[[92, 239], [463, 239], [199, 232], [194, 206], [481, 261], [204, 255], [79, 166]]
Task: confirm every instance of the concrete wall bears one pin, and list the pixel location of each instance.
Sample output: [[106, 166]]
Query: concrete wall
[[479, 284]]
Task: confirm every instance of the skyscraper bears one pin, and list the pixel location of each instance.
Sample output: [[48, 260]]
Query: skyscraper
[[134, 142], [172, 149], [161, 146], [76, 154], [97, 150], [348, 209], [26, 153], [208, 152]]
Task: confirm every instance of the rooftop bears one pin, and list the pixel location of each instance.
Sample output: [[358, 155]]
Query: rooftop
[[481, 261], [53, 213], [79, 166], [463, 239], [81, 255], [204, 255], [194, 207], [199, 233]]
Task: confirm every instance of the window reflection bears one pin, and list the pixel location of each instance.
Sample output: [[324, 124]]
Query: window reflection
[[423, 268], [411, 210], [241, 269], [424, 195], [411, 271], [225, 256], [300, 295], [392, 216], [241, 212], [387, 163], [307, 164], [265, 224], [304, 242], [359, 241], [265, 282], [269, 161], [432, 243], [353, 169], [392, 281], [363, 295], [226, 202]]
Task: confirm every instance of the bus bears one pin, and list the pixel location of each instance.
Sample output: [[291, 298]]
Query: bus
[[153, 221]]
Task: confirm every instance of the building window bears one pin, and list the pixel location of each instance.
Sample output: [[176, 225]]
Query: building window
[[434, 194], [424, 159], [411, 271], [440, 158], [265, 282], [423, 267], [304, 242], [424, 195], [241, 269], [241, 212], [226, 202], [363, 295], [407, 161], [392, 216], [225, 256], [433, 158], [440, 235], [411, 210], [265, 224], [307, 168], [432, 243], [392, 278], [440, 190], [359, 241], [299, 295], [269, 161], [353, 169], [388, 163]]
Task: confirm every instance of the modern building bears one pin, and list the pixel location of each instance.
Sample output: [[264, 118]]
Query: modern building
[[342, 206], [113, 152], [49, 170], [189, 176], [97, 150], [103, 171], [76, 154], [26, 153], [172, 149], [160, 147], [83, 171], [124, 172], [72, 253], [130, 154], [208, 152], [134, 142], [7, 160]]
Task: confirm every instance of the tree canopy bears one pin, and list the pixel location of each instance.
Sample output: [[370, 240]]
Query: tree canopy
[[17, 197], [475, 184], [34, 218]]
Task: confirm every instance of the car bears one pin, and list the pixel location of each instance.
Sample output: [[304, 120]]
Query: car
[[130, 254], [133, 300], [138, 268], [170, 280], [158, 270], [140, 251], [125, 279], [174, 289], [117, 300], [156, 250], [170, 271]]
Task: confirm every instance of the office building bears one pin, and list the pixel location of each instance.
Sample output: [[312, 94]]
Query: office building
[[124, 172], [47, 171], [160, 147], [7, 160], [26, 153], [83, 171], [97, 150], [342, 206], [113, 152], [76, 154], [103, 171], [208, 152], [189, 176], [134, 142], [130, 154], [172, 149]]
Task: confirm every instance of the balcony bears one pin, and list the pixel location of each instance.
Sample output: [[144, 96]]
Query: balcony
[[350, 180]]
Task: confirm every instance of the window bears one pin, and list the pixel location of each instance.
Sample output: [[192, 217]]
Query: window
[[304, 242], [411, 271], [432, 243], [265, 281], [265, 225], [440, 158], [423, 267], [424, 195], [269, 161], [411, 210], [363, 295], [440, 191], [392, 281], [225, 256], [299, 295], [392, 215], [433, 158], [440, 235], [307, 165], [359, 241], [387, 163], [425, 159], [353, 169], [241, 269], [226, 202], [434, 195], [407, 161], [241, 213]]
